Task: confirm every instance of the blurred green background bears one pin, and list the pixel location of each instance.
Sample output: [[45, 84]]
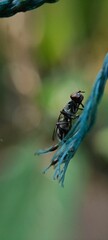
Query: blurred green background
[[45, 55]]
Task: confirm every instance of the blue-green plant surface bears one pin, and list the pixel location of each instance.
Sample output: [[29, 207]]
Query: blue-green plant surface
[[10, 7]]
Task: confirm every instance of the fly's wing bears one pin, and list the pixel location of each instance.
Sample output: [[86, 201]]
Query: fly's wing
[[54, 133], [55, 129]]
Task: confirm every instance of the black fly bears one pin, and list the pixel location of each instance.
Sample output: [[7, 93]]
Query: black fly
[[67, 115]]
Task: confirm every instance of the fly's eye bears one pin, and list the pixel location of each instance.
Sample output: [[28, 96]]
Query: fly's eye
[[76, 96], [72, 96]]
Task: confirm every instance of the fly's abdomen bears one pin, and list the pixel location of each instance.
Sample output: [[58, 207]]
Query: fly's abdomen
[[63, 128]]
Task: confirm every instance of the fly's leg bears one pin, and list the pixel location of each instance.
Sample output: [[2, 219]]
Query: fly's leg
[[60, 123], [55, 129], [53, 148], [76, 116], [54, 133], [82, 105], [80, 108], [67, 114]]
